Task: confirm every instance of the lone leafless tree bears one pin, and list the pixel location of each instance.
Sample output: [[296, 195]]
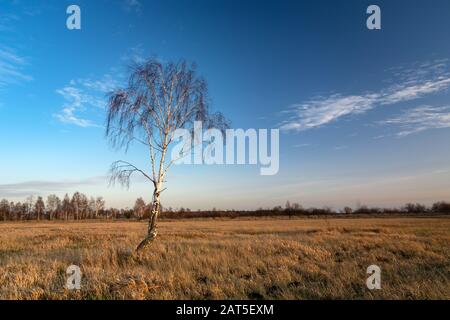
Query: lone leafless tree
[[158, 99]]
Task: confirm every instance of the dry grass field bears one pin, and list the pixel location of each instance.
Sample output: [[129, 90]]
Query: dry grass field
[[229, 259]]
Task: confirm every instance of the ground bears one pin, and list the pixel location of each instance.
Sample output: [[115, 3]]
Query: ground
[[228, 259]]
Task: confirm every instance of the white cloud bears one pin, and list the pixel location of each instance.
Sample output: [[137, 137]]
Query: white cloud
[[415, 91], [11, 67], [67, 115], [105, 85], [132, 5], [411, 84], [7, 21], [81, 95], [320, 111], [420, 119], [135, 54], [302, 145], [75, 101], [337, 148], [23, 189]]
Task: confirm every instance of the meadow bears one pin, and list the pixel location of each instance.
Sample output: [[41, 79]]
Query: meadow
[[265, 258]]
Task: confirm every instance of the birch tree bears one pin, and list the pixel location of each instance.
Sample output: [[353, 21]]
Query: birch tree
[[158, 99], [139, 208], [39, 208], [66, 206], [5, 209], [53, 205], [99, 205]]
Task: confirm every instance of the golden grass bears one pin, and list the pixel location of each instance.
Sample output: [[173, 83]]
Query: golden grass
[[228, 259]]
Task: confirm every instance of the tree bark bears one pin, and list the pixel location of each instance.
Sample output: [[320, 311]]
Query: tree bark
[[156, 203], [152, 223]]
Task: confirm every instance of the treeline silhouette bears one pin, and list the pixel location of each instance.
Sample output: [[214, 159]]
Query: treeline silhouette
[[81, 207]]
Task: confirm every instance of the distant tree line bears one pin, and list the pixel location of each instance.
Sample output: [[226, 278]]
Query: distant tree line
[[295, 209], [81, 207], [77, 207]]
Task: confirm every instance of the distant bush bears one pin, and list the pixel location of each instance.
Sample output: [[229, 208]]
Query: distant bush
[[415, 208], [319, 212], [367, 210], [441, 207], [348, 210]]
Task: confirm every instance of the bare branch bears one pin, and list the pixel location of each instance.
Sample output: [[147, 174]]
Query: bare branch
[[121, 171]]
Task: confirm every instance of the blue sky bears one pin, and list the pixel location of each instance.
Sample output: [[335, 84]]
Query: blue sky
[[364, 114]]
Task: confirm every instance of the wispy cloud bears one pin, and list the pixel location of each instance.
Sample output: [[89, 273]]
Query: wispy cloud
[[415, 91], [75, 101], [81, 96], [27, 188], [106, 84], [302, 145], [11, 67], [322, 110], [425, 79], [7, 21], [134, 55], [132, 5], [337, 148], [420, 119]]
